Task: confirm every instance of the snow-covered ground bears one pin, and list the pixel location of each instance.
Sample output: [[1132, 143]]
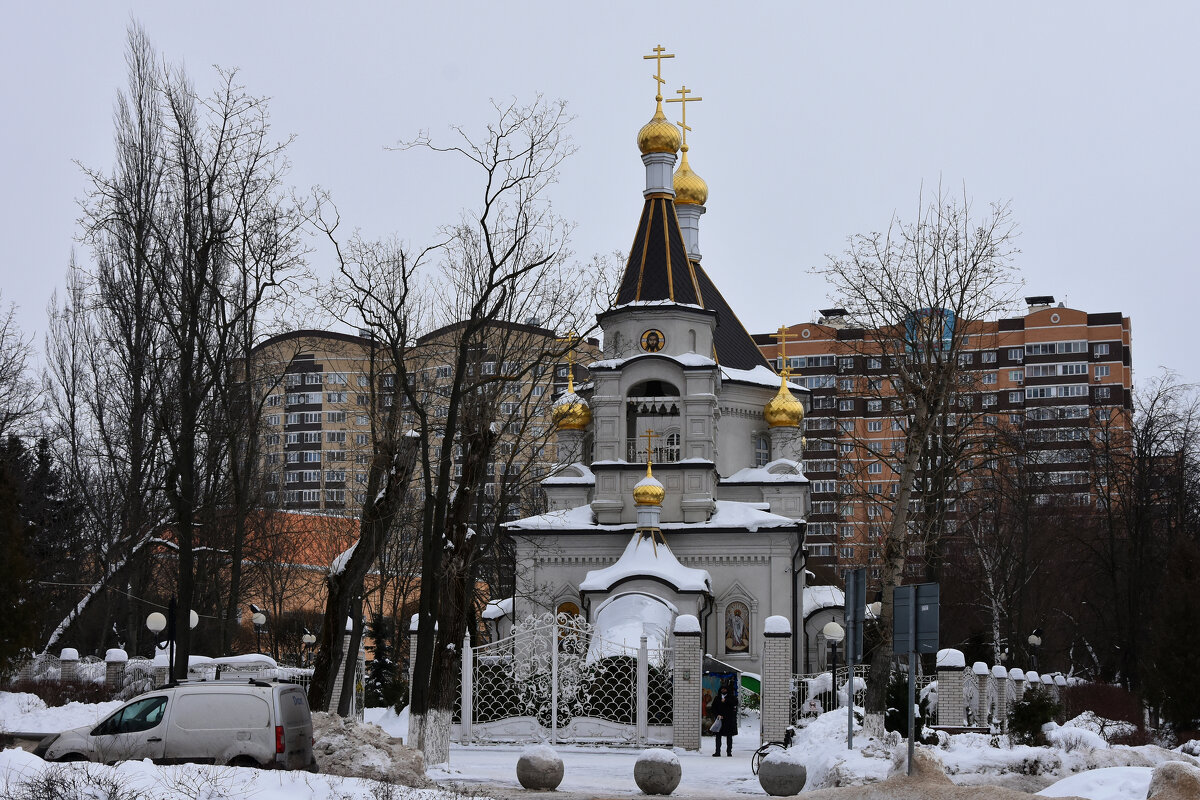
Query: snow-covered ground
[[1086, 766]]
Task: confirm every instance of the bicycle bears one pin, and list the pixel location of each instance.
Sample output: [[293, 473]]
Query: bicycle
[[767, 747]]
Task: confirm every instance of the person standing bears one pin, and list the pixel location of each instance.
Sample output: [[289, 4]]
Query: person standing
[[724, 708]]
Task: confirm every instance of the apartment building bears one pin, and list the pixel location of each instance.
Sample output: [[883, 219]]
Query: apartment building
[[1058, 378], [316, 439]]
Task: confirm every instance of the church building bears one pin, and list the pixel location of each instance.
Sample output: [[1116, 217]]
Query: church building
[[679, 488]]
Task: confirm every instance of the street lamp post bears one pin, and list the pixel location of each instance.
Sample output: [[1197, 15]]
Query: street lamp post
[[309, 640], [156, 622], [834, 634], [259, 619], [1035, 642]]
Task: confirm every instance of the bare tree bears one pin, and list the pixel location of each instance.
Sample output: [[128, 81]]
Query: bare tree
[[19, 395], [915, 290]]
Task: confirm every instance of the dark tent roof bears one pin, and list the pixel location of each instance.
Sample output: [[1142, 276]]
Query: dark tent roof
[[658, 269]]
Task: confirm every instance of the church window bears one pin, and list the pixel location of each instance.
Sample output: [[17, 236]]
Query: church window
[[762, 451], [737, 627]]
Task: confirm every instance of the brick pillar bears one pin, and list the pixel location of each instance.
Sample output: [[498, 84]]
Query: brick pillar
[[1018, 681], [160, 675], [26, 674], [68, 664], [776, 697], [114, 669], [1000, 681], [951, 709], [687, 678], [983, 676]]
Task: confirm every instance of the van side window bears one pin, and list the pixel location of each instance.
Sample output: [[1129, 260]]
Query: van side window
[[141, 715]]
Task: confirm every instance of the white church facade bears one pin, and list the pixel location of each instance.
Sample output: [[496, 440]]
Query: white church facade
[[679, 489]]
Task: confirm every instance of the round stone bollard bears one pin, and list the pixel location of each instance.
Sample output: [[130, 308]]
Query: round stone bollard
[[781, 773], [540, 768], [657, 771]]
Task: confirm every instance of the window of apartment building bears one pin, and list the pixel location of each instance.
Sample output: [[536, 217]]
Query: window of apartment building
[[292, 457], [1103, 393], [310, 496], [363, 380], [336, 475], [444, 371], [875, 468], [335, 436], [845, 448], [874, 363], [1016, 375], [823, 507], [310, 456], [292, 438], [846, 467], [875, 447], [1101, 371], [313, 379], [362, 439], [875, 488], [362, 419], [291, 477], [274, 399], [846, 385], [820, 444], [874, 531], [273, 420], [1100, 350], [310, 475], [1074, 369], [819, 466], [311, 437], [988, 357], [314, 417], [846, 531], [271, 439], [335, 495], [847, 552], [336, 378], [989, 377], [966, 358], [293, 379], [1014, 419], [897, 424], [989, 400], [819, 487], [362, 399], [334, 416], [509, 408], [846, 364], [825, 403], [874, 384], [845, 487], [335, 455], [818, 424], [1103, 413], [989, 419], [845, 425], [273, 458], [335, 397], [1016, 354], [874, 425], [874, 405], [820, 550]]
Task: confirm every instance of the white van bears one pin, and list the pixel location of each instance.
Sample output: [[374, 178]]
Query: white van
[[253, 724]]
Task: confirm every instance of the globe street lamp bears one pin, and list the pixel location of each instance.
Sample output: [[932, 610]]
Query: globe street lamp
[[309, 640], [834, 634], [259, 619], [1035, 641]]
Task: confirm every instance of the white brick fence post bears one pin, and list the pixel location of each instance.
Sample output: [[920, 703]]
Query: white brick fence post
[[951, 710], [114, 669], [776, 699], [686, 683], [983, 677], [68, 664], [1018, 680], [1000, 681]]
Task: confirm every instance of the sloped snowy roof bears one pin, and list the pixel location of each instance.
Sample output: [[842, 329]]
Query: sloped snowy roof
[[621, 623], [496, 609], [683, 359], [644, 558], [729, 515], [818, 597], [781, 470], [584, 476], [760, 376]]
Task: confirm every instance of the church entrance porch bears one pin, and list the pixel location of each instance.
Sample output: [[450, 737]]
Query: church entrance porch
[[556, 679]]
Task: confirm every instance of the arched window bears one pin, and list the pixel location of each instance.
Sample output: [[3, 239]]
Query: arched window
[[762, 450], [670, 447]]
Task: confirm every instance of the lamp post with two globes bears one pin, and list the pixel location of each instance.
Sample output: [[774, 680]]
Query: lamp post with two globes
[[156, 622]]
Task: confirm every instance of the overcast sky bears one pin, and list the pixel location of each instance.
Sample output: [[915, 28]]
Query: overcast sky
[[817, 122]]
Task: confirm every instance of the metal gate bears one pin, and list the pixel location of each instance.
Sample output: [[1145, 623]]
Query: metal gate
[[554, 679]]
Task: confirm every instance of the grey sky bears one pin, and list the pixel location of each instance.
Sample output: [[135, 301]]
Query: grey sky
[[817, 122]]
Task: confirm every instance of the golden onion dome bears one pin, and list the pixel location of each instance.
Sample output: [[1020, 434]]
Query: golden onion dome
[[658, 135], [784, 410], [571, 412], [690, 188], [648, 491]]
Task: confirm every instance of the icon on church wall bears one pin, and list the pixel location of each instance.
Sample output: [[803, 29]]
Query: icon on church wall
[[737, 627], [653, 341]]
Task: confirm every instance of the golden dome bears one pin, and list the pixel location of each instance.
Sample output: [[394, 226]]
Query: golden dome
[[571, 413], [658, 135], [690, 188], [648, 491], [784, 410]]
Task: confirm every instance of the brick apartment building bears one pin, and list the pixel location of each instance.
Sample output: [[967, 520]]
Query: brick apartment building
[[1057, 377]]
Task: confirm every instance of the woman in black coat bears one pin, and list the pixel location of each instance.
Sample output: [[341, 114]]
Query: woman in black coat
[[724, 708]]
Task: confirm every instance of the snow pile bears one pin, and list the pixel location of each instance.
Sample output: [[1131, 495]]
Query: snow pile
[[25, 712], [949, 658], [687, 623], [1110, 783], [1108, 728], [1072, 738], [658, 754], [542, 756], [777, 625], [348, 748]]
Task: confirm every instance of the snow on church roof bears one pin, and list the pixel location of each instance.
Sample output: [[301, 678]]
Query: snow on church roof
[[760, 375], [818, 597], [644, 558], [585, 476], [781, 470], [729, 515], [683, 359]]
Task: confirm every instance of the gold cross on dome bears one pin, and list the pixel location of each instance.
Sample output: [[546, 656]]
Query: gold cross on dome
[[660, 53], [683, 100], [649, 434], [786, 371], [572, 340]]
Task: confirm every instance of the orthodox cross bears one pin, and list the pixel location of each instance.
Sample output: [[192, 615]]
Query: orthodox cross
[[786, 371], [649, 434], [660, 53], [683, 100], [572, 339]]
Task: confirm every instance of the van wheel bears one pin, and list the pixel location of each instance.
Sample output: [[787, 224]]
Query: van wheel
[[244, 761]]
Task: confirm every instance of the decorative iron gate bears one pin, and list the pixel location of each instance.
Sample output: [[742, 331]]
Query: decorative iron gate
[[554, 679]]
